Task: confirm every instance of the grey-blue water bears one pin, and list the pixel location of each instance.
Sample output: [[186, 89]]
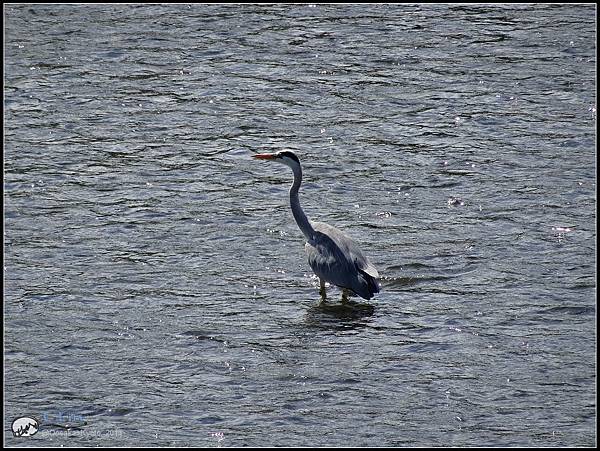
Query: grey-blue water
[[156, 287]]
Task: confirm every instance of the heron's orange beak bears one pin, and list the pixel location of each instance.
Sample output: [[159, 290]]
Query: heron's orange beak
[[265, 156]]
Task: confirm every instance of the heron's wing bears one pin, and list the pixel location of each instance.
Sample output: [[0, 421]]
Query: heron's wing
[[368, 267], [346, 250]]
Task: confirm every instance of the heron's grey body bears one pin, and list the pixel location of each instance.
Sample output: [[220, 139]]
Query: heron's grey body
[[336, 258], [333, 256]]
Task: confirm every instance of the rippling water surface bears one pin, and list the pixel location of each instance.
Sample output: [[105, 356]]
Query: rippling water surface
[[156, 288]]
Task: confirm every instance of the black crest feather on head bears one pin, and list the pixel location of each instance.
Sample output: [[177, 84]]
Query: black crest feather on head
[[289, 154]]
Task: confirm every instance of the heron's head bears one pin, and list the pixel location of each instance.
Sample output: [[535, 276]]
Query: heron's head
[[286, 157]]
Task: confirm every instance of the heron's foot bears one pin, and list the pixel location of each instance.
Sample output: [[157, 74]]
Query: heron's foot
[[345, 295], [322, 290], [323, 295]]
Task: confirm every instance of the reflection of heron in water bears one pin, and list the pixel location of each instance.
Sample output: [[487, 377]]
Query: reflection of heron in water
[[333, 256], [345, 316], [349, 312]]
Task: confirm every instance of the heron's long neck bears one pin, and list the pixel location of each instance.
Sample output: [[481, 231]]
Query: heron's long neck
[[299, 215]]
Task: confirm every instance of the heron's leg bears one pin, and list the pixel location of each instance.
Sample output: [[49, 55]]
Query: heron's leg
[[345, 294], [322, 291]]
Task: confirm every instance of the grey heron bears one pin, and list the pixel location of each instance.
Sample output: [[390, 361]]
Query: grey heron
[[333, 256]]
